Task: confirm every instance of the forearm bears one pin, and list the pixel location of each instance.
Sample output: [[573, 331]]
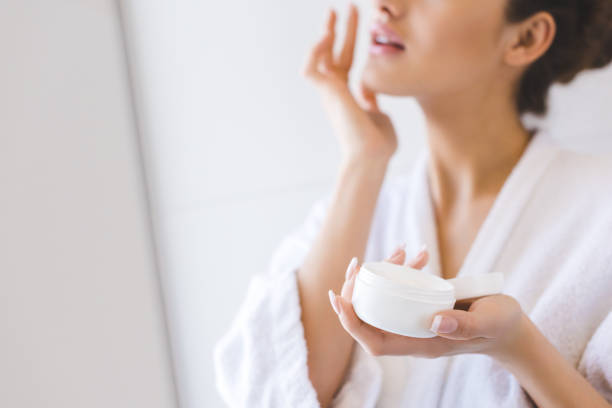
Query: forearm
[[344, 234], [545, 375]]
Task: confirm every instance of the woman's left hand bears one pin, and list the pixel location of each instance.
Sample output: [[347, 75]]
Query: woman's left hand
[[489, 326]]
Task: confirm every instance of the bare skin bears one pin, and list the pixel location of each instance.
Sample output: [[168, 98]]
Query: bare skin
[[367, 141], [462, 62]]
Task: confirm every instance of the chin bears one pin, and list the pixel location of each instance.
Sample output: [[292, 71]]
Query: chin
[[385, 80]]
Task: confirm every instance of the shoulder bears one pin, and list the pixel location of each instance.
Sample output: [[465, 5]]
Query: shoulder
[[579, 187], [587, 174]]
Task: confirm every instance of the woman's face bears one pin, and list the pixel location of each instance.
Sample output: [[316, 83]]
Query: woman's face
[[449, 45]]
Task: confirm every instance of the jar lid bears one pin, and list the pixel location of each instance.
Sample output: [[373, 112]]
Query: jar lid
[[472, 286], [405, 281]]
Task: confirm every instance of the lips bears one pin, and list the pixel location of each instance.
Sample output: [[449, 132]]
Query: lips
[[383, 36]]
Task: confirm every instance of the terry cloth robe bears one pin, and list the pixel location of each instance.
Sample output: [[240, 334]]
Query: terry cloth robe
[[549, 232]]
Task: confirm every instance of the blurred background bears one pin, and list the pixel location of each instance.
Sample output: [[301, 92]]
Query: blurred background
[[152, 156]]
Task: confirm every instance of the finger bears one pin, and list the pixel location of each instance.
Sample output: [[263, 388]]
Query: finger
[[420, 260], [327, 55], [349, 281], [347, 288], [489, 317], [398, 258], [397, 344], [433, 347], [367, 98], [315, 56], [351, 266], [370, 338], [458, 325], [311, 67], [398, 254], [345, 59]]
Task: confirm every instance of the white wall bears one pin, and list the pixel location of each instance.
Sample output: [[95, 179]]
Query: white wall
[[250, 151], [240, 154], [81, 322]]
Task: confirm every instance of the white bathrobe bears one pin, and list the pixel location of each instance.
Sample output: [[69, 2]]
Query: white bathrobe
[[549, 232]]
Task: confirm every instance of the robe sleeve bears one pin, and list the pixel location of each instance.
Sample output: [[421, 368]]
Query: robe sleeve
[[261, 361], [596, 362]]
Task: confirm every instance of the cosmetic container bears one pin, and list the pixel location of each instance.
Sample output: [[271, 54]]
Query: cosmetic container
[[403, 300]]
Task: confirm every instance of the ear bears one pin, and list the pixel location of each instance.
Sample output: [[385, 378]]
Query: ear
[[530, 39]]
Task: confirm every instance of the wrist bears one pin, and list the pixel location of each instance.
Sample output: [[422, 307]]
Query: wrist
[[364, 167], [515, 349], [368, 160], [365, 172]]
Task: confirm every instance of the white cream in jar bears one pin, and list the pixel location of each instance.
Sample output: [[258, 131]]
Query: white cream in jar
[[403, 300]]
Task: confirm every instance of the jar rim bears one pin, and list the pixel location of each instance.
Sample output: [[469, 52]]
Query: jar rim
[[405, 281]]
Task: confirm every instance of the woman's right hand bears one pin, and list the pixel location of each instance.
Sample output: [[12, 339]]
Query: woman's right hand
[[364, 131]]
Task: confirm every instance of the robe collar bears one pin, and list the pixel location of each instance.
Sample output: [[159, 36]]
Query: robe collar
[[501, 218]]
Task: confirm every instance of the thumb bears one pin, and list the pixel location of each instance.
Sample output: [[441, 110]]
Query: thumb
[[367, 98], [459, 325]]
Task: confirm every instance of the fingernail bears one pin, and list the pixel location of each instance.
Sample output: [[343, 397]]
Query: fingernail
[[421, 251], [397, 249], [394, 258], [443, 324], [351, 267], [333, 301]]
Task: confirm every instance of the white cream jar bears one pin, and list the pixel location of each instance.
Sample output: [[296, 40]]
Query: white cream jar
[[403, 300]]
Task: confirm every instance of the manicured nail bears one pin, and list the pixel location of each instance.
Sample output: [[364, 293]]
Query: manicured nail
[[397, 249], [421, 251], [351, 267], [395, 258], [333, 301], [443, 324]]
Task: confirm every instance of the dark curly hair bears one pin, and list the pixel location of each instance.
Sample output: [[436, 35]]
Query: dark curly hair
[[583, 40]]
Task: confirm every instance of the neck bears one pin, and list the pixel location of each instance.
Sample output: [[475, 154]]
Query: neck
[[473, 147]]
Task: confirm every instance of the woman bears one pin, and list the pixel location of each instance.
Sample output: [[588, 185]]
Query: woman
[[486, 195]]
